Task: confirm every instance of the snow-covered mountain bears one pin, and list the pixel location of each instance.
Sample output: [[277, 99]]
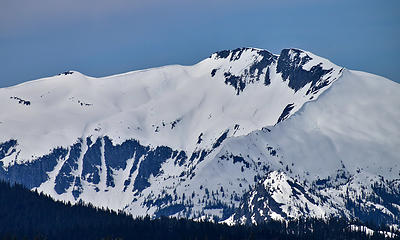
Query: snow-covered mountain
[[243, 136]]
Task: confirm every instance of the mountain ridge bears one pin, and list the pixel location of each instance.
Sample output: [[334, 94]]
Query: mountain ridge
[[194, 141]]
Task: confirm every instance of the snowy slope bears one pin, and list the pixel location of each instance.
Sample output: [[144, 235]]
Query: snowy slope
[[210, 140], [162, 106], [342, 148]]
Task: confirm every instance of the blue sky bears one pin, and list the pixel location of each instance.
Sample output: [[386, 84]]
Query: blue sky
[[98, 38]]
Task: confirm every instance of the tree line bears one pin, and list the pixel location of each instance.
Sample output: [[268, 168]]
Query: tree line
[[26, 214]]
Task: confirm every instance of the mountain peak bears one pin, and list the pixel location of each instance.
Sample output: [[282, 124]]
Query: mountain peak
[[302, 68], [235, 54], [193, 140], [243, 66]]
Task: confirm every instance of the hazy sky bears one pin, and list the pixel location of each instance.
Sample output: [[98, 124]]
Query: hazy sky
[[102, 37]]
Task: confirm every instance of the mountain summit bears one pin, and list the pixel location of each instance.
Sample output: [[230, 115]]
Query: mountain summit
[[242, 137]]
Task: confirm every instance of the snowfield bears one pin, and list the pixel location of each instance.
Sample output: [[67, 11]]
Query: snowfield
[[242, 137]]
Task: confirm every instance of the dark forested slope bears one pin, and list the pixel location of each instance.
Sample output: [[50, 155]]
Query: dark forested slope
[[29, 215]]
